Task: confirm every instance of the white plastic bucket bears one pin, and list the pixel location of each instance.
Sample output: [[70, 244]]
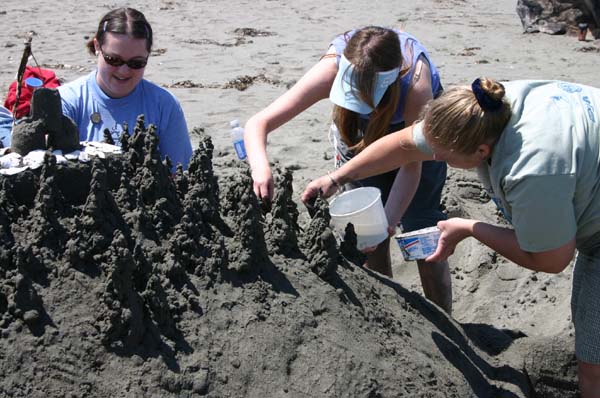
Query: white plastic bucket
[[363, 208]]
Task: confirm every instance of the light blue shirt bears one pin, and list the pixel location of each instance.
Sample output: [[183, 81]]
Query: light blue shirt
[[544, 172], [93, 111], [6, 121]]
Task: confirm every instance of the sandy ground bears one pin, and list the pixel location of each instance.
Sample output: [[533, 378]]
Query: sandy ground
[[202, 48]]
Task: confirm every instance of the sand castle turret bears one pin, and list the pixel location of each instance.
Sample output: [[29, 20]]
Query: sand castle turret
[[46, 127]]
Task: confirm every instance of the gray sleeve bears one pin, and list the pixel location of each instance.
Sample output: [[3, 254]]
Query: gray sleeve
[[419, 139]]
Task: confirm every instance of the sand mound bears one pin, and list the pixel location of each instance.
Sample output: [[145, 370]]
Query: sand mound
[[118, 280]]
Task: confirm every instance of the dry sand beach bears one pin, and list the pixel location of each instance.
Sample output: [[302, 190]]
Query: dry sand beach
[[227, 60]]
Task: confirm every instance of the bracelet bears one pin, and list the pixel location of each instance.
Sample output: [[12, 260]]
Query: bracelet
[[333, 181]]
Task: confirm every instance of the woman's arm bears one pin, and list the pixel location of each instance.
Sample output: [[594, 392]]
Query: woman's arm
[[504, 242], [311, 88], [387, 153]]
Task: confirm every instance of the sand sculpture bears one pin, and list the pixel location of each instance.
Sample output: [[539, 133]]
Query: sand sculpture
[[46, 127], [117, 279]]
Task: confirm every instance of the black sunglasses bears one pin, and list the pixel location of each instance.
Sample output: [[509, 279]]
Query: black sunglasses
[[118, 61]]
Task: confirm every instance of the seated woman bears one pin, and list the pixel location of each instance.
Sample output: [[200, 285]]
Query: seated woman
[[116, 93]]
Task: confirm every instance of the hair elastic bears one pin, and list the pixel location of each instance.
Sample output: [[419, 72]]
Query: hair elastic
[[486, 102], [104, 26]]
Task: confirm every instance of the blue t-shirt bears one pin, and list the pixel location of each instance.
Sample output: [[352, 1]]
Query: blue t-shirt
[[93, 111], [411, 49]]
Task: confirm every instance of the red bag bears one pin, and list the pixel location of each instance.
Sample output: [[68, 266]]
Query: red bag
[[48, 79]]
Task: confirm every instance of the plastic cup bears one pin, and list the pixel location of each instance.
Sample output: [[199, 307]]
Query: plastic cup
[[34, 82], [363, 208]]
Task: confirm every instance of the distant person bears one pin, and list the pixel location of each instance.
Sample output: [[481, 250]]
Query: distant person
[[379, 79], [116, 92], [536, 146]]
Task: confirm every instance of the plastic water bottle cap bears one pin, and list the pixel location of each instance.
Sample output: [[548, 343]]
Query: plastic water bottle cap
[[234, 123]]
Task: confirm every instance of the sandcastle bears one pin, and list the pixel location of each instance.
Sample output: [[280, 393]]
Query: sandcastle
[[119, 279]]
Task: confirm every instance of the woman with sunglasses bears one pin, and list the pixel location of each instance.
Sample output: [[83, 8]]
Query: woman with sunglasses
[[536, 147], [378, 79], [116, 93]]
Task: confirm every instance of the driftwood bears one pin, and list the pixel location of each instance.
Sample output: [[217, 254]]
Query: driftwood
[[21, 70]]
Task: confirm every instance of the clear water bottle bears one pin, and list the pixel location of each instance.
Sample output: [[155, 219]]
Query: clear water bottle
[[237, 138]]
